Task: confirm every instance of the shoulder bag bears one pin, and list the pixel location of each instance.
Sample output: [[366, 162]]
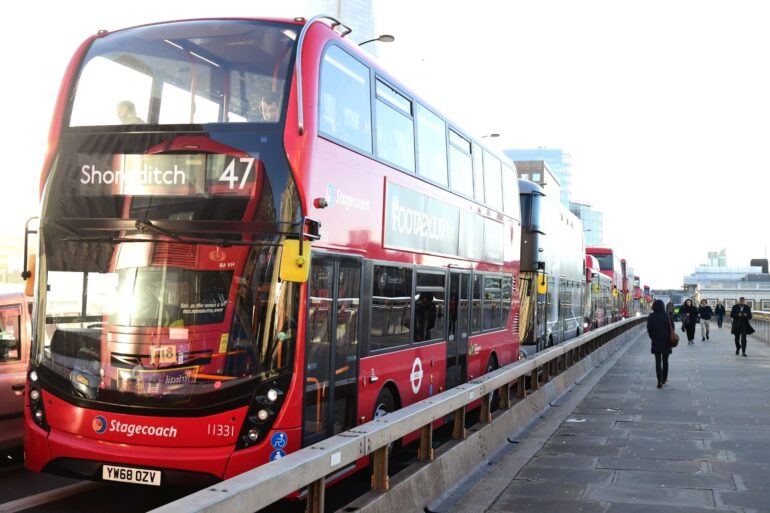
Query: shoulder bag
[[673, 337]]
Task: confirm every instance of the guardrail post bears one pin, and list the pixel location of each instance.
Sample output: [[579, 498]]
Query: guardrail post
[[458, 431], [315, 496], [505, 396], [521, 389], [426, 443], [486, 409], [380, 478], [547, 372], [534, 381]]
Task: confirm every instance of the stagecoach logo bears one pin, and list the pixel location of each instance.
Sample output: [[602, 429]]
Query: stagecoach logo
[[416, 375], [335, 196], [330, 193], [99, 424], [217, 255]]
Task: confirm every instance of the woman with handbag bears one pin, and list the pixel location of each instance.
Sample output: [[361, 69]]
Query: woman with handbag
[[689, 315], [660, 328]]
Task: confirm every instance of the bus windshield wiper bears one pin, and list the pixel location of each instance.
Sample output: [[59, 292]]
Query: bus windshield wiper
[[144, 225]]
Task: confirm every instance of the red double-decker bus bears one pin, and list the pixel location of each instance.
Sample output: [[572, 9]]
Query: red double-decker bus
[[609, 264], [197, 169], [628, 288], [599, 304]]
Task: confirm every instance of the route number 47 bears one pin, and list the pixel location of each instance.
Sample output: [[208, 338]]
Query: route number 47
[[231, 176]]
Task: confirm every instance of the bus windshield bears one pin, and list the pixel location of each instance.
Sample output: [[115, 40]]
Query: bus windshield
[[190, 72], [177, 329], [605, 261]]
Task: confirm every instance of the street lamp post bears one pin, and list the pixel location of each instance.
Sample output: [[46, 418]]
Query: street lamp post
[[384, 38]]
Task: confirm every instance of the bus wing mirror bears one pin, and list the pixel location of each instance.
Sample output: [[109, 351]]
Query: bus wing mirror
[[295, 261], [29, 284]]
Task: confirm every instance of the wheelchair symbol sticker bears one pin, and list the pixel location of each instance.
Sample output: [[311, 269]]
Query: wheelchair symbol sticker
[[277, 455], [279, 440]]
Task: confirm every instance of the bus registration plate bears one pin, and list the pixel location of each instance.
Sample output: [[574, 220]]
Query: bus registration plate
[[131, 475]]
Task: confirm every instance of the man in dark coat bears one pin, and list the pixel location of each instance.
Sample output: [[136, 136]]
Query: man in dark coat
[[659, 327], [719, 311], [740, 314]]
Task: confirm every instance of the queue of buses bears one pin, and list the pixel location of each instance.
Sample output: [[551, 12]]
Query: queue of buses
[[220, 282]]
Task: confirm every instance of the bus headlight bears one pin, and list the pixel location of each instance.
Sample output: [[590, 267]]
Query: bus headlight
[[38, 414], [265, 405], [34, 395]]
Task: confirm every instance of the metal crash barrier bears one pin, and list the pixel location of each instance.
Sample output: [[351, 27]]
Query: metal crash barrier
[[760, 321], [308, 468]]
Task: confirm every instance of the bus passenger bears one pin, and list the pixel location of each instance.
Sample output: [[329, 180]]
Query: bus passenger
[[127, 113], [424, 316]]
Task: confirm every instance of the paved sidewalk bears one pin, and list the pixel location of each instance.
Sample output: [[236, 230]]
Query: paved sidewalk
[[701, 443]]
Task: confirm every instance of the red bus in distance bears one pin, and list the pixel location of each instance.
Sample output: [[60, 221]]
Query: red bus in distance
[[221, 283], [609, 264]]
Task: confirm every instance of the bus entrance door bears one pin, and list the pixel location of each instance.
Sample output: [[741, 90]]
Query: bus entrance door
[[457, 339], [331, 350]]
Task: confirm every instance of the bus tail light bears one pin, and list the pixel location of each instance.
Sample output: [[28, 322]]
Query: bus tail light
[[263, 410], [36, 400]]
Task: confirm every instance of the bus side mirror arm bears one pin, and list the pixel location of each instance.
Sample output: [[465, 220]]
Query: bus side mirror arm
[[29, 260], [27, 272]]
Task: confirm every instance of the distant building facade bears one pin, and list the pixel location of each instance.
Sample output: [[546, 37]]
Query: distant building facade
[[728, 283], [556, 160], [356, 14], [593, 222], [718, 258], [11, 259], [539, 172]]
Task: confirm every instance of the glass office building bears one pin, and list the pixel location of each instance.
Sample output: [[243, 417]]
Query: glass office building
[[592, 222]]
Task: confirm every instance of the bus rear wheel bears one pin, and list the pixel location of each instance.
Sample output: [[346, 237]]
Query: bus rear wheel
[[494, 396], [385, 404]]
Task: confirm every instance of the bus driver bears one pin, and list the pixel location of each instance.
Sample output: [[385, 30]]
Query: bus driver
[[269, 107]]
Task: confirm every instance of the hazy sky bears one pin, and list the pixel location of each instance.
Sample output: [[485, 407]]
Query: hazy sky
[[664, 106]]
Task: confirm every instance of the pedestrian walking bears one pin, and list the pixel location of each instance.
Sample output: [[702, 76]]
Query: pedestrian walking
[[740, 314], [659, 328], [704, 312], [689, 316], [719, 312]]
